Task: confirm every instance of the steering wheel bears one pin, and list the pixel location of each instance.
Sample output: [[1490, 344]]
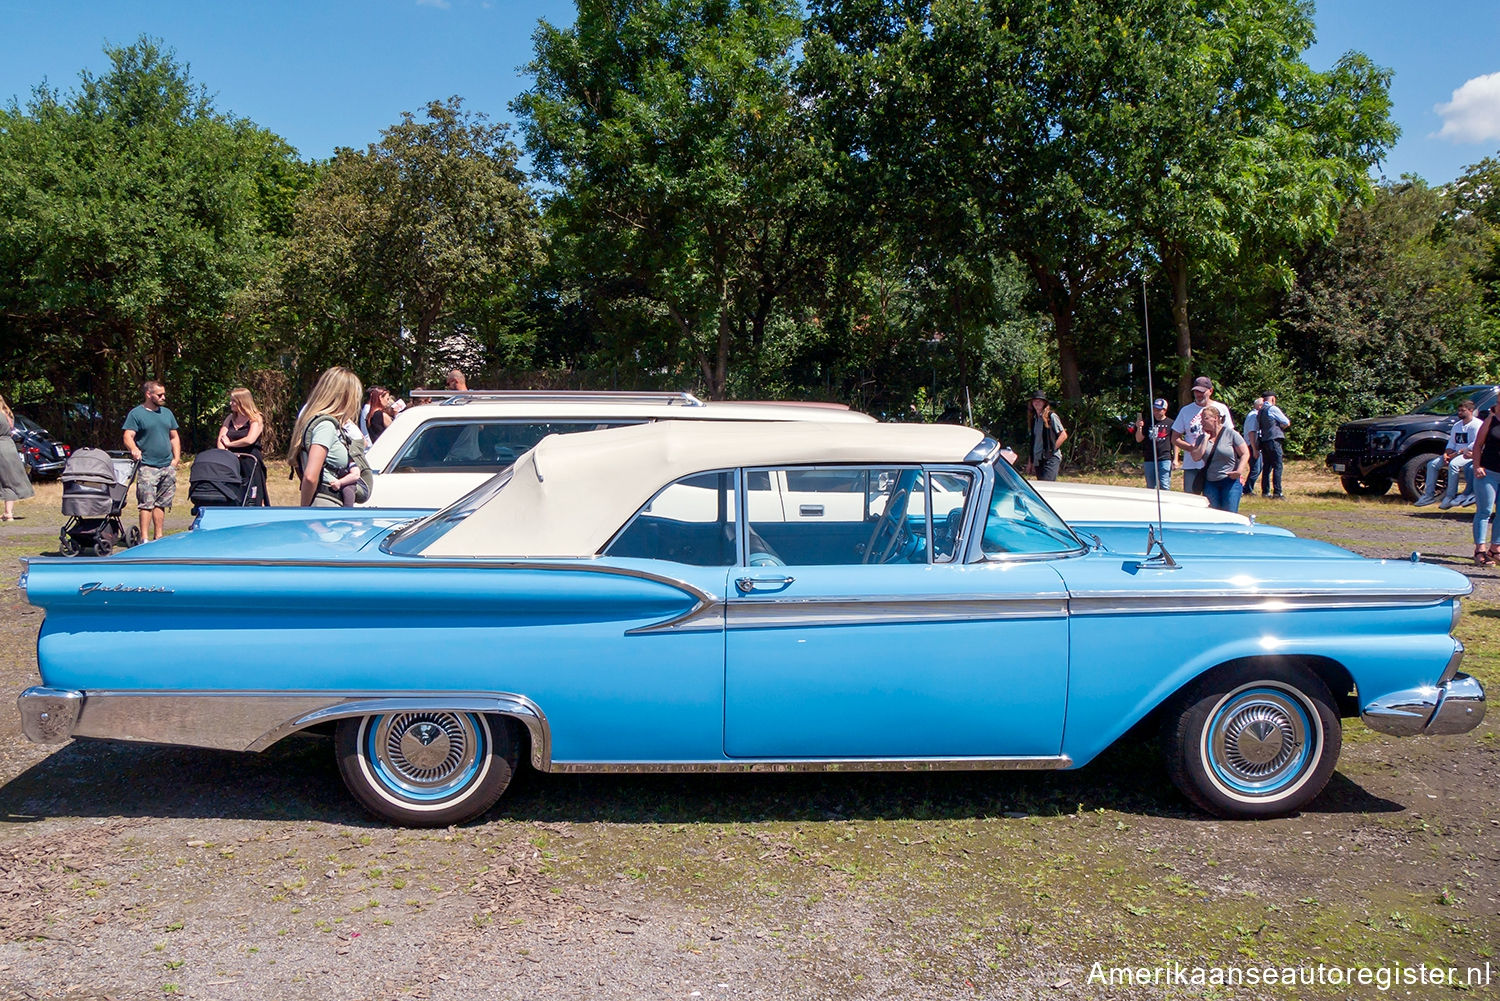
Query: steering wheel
[[890, 522]]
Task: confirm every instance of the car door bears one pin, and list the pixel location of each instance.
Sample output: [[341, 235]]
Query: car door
[[848, 641]]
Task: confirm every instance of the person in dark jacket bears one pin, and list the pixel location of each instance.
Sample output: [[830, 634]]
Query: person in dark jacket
[[1047, 437]]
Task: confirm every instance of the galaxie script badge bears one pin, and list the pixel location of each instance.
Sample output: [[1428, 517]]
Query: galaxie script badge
[[95, 585]]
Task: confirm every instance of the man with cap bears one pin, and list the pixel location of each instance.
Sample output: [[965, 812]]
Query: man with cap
[[1047, 437], [1272, 425], [1158, 455], [1188, 428]]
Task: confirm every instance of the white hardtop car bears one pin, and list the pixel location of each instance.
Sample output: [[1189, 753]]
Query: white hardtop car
[[433, 454]]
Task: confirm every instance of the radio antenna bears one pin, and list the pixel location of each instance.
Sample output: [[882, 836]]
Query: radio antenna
[[1155, 536]]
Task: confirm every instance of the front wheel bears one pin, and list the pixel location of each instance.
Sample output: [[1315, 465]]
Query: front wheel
[[426, 768], [1260, 741], [1413, 477]]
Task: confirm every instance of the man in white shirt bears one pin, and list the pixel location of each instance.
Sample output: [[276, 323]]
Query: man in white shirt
[[1188, 428], [1458, 456]]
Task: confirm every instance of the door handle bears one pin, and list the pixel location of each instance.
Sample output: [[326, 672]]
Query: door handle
[[811, 510], [745, 585]]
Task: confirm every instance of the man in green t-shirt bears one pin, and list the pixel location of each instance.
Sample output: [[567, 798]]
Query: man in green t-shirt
[[151, 439]]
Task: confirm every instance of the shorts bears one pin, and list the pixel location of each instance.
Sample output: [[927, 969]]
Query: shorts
[[155, 487]]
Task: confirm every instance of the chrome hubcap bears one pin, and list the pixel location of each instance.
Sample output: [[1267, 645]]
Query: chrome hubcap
[[1258, 738], [426, 749]]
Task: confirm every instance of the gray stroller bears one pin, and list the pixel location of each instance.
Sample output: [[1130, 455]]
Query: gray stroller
[[95, 485]]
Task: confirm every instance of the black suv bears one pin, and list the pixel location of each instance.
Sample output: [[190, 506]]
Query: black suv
[[1370, 454]]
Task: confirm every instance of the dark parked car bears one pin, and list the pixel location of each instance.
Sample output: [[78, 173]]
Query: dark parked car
[[43, 454], [1372, 453]]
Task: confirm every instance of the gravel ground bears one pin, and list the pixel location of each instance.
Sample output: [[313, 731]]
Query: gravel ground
[[139, 872]]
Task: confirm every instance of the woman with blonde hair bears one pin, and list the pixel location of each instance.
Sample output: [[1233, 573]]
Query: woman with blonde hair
[[240, 433], [321, 453], [14, 483]]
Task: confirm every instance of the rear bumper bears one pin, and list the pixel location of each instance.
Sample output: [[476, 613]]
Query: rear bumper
[[48, 715], [1454, 706]]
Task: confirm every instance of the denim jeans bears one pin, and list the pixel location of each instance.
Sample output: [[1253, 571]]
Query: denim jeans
[[1484, 504], [1255, 464], [1434, 466], [1270, 462], [1459, 470], [1223, 495], [1160, 472], [1047, 466]]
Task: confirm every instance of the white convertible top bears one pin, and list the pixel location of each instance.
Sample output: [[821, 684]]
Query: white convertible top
[[570, 494]]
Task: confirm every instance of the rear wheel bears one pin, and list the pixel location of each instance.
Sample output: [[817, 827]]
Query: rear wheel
[[1257, 741], [426, 768], [103, 546], [65, 544], [1413, 476], [1375, 486]]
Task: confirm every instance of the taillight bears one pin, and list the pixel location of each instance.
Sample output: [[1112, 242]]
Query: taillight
[[33, 451], [66, 450]]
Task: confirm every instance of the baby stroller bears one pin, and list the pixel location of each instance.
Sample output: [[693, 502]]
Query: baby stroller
[[221, 478], [95, 486]]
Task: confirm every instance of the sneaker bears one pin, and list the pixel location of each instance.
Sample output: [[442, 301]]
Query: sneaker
[[1278, 496], [1467, 500], [1424, 501], [1447, 502]]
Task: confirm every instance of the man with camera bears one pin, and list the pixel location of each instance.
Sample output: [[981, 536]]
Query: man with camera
[[1159, 456]]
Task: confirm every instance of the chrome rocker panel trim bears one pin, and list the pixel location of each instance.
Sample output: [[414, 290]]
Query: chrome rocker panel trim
[[246, 721], [742, 765], [1453, 707]]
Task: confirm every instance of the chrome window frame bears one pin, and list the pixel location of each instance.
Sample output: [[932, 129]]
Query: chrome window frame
[[976, 485]]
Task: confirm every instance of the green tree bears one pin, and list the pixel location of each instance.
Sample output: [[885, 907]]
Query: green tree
[[132, 214], [1393, 309], [1087, 137], [407, 241], [689, 185]]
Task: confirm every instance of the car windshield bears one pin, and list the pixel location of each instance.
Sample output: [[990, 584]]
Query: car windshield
[[413, 538], [1446, 404], [26, 424], [1019, 522]]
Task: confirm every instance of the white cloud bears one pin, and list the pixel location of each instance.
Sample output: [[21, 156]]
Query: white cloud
[[1474, 113], [439, 4]]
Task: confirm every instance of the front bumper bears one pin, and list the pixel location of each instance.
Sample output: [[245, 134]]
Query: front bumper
[[1453, 706], [1361, 465]]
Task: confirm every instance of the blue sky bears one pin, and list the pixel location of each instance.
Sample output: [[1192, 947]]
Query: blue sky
[[330, 73]]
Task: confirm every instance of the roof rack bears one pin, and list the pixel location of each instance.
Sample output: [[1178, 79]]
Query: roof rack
[[457, 398]]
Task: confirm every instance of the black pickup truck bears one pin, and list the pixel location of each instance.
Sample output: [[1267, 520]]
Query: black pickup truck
[[1370, 454]]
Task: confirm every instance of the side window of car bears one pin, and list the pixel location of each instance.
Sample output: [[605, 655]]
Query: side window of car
[[480, 446], [690, 521], [948, 496], [836, 516]]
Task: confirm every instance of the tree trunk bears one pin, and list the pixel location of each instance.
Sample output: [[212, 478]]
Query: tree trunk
[[1175, 263], [1060, 306]]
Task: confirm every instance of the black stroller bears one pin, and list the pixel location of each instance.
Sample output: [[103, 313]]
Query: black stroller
[[95, 485], [221, 478]]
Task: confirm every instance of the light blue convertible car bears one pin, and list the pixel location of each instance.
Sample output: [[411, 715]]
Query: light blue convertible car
[[714, 597]]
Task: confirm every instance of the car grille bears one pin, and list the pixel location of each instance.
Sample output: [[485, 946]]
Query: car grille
[[1350, 440]]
